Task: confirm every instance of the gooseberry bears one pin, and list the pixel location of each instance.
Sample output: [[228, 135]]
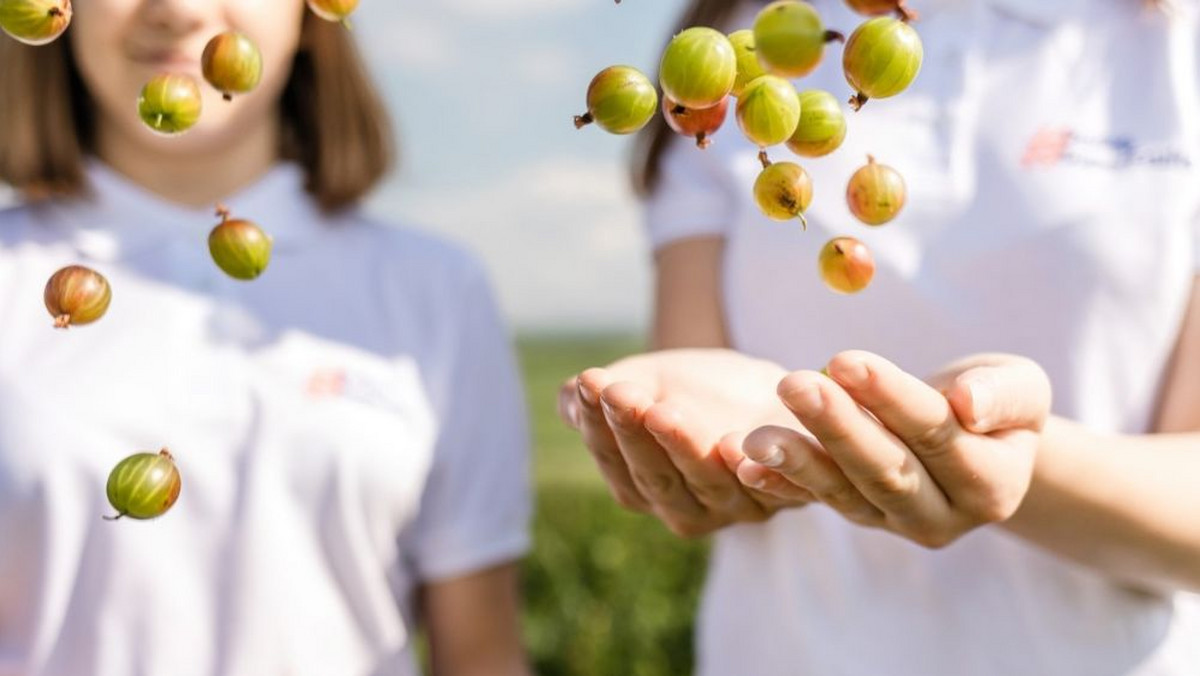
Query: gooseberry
[[698, 68], [620, 99], [239, 247], [822, 127], [143, 485], [882, 57], [76, 295], [876, 193], [783, 190], [35, 22], [231, 63], [768, 110], [790, 38], [878, 7], [748, 65], [333, 10], [698, 124], [170, 103], [846, 265]]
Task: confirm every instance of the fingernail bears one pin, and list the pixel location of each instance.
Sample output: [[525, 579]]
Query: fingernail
[[852, 372], [981, 403], [749, 477], [587, 395], [573, 413], [806, 399], [773, 457]]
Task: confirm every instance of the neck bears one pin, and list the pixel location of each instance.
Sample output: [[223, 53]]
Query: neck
[[197, 176]]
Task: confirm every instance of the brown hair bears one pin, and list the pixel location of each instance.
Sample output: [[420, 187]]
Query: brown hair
[[334, 123], [653, 139]]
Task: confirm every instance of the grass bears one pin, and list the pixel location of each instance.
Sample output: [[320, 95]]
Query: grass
[[606, 591]]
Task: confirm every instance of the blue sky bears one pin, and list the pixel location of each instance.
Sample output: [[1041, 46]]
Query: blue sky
[[483, 93]]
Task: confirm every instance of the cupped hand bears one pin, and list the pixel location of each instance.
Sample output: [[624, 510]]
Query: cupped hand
[[929, 461], [656, 424]]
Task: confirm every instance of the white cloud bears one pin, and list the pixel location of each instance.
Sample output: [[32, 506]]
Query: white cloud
[[561, 238]]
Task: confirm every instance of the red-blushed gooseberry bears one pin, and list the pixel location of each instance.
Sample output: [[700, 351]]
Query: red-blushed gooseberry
[[748, 65], [144, 485], [240, 248], [822, 127], [333, 10], [35, 22], [231, 63], [698, 124], [783, 190], [768, 110], [846, 265], [879, 7], [882, 57], [875, 193], [620, 100], [790, 38], [698, 68], [170, 103], [76, 295]]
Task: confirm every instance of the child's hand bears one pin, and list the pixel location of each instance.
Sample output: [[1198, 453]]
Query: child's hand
[[926, 461]]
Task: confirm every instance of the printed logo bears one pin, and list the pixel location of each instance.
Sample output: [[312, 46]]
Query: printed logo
[[1053, 146], [324, 383]]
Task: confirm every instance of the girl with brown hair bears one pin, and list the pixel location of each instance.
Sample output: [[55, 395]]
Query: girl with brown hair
[[871, 521], [347, 480]]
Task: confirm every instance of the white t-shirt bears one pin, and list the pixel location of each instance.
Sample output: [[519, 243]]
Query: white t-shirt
[[348, 427], [1052, 154]]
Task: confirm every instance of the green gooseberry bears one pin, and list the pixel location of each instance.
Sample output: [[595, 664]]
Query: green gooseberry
[[790, 38], [748, 65], [783, 191], [143, 485], [882, 57], [768, 110], [698, 68], [170, 103], [35, 22], [240, 248], [822, 126], [231, 63], [620, 100]]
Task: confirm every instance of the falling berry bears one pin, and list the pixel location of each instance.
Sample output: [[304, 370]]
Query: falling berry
[[35, 22], [170, 103], [768, 111], [790, 38], [239, 247], [697, 124], [143, 485], [232, 64], [76, 295], [698, 68], [783, 190], [748, 65], [846, 265], [875, 193], [333, 10], [822, 126], [620, 100], [882, 57]]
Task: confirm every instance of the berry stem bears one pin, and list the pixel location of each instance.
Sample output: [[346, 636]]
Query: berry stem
[[227, 96], [858, 100], [223, 212], [62, 321], [834, 36], [678, 110], [803, 222], [346, 24], [762, 157], [905, 13], [112, 518], [584, 120], [54, 11], [703, 141]]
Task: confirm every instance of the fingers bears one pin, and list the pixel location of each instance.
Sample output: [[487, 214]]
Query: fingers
[[655, 476], [1014, 395], [568, 402], [765, 486], [601, 443], [789, 454], [879, 465]]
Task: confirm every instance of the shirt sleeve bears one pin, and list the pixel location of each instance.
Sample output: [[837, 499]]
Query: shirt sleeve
[[477, 504], [694, 196]]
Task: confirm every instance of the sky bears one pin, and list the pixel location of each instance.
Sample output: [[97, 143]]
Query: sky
[[483, 93]]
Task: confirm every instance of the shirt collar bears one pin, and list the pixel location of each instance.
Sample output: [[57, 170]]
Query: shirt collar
[[118, 218]]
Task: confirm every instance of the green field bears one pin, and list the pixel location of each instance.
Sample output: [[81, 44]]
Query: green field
[[607, 592]]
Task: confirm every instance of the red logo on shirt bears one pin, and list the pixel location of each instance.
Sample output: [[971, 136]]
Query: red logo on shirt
[[1047, 147], [328, 382]]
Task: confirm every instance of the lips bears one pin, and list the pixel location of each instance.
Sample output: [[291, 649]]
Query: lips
[[165, 59]]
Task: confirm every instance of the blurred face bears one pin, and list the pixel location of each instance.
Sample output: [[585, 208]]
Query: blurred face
[[121, 44]]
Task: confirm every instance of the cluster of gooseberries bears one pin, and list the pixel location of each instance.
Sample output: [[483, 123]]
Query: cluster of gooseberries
[[702, 69], [146, 485]]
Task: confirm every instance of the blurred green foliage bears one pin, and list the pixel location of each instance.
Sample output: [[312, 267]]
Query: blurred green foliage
[[607, 592]]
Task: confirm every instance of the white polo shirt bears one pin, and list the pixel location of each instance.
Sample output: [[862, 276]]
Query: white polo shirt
[[348, 427], [1052, 154]]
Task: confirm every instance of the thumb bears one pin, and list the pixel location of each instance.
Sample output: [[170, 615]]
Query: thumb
[[1012, 394]]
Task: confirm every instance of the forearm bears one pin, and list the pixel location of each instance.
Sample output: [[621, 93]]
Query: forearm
[[1128, 506]]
